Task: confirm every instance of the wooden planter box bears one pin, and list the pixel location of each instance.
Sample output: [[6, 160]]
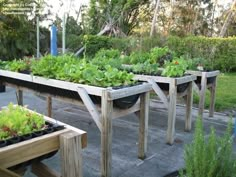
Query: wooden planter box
[[102, 114], [69, 140], [169, 98], [205, 80]]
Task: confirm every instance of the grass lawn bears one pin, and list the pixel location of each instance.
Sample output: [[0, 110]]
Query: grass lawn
[[225, 93]]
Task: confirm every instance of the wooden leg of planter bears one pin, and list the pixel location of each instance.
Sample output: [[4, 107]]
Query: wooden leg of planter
[[71, 157], [106, 135], [171, 113], [143, 125], [202, 94], [212, 99], [189, 104], [49, 103], [7, 173], [42, 170], [19, 96]]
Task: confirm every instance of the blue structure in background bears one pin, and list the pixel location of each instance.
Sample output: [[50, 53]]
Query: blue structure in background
[[53, 40]]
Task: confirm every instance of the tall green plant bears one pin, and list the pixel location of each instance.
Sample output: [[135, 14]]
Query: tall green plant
[[212, 157]]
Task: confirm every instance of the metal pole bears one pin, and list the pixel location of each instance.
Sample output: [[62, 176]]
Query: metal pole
[[64, 34], [53, 40], [38, 54]]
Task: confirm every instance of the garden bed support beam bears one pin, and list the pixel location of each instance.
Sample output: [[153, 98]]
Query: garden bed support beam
[[143, 125], [106, 135], [90, 106], [71, 153], [189, 105], [202, 88], [171, 113]]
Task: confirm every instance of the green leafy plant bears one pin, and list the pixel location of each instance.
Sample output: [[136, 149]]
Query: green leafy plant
[[160, 55], [144, 68], [16, 121], [175, 68], [71, 69], [212, 157], [18, 65]]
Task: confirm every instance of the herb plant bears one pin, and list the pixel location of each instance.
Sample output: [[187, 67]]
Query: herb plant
[[16, 121], [18, 65], [211, 157]]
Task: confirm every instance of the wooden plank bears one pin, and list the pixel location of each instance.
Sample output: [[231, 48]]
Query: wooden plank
[[189, 104], [212, 73], [30, 149], [159, 92], [106, 135], [171, 113], [19, 97], [117, 113], [212, 98], [143, 125], [49, 106], [202, 94], [41, 170], [124, 92], [68, 127], [90, 106], [71, 155], [185, 79], [52, 82], [208, 74], [155, 78], [7, 173]]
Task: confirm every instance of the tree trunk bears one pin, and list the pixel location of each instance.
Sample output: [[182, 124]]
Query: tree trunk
[[225, 26], [153, 28], [228, 20]]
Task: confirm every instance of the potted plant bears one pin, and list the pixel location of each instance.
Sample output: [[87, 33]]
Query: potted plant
[[209, 157]]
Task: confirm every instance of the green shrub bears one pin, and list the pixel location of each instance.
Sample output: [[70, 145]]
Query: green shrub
[[212, 157]]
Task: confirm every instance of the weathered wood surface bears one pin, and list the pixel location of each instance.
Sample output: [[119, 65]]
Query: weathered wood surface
[[102, 114], [203, 88], [169, 99], [71, 153], [42, 170], [7, 173], [30, 149], [160, 79], [106, 135], [143, 125], [207, 74]]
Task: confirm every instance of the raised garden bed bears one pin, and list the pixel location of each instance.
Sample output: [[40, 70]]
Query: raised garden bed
[[205, 80], [31, 151], [102, 114], [169, 94]]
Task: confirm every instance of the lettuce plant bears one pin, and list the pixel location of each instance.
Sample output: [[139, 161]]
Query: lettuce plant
[[16, 121]]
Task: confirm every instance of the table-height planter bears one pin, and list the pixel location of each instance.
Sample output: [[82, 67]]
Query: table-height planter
[[205, 80], [102, 113], [69, 140], [169, 96]]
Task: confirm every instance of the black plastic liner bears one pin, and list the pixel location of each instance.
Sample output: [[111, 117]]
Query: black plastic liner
[[210, 80], [43, 88], [180, 88], [122, 103]]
